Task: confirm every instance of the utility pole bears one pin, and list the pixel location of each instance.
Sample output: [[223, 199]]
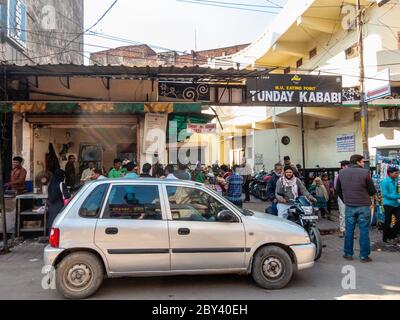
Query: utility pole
[[5, 248], [363, 103]]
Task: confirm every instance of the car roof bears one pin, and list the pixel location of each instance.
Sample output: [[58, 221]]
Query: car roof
[[147, 181]]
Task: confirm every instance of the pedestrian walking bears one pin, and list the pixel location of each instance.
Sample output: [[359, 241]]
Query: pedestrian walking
[[355, 186], [246, 172], [182, 172], [271, 187], [146, 168], [70, 172], [289, 188], [329, 189], [391, 204], [235, 185], [318, 190], [342, 207], [58, 196]]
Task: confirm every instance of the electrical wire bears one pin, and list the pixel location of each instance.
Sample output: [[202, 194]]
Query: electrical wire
[[224, 6]]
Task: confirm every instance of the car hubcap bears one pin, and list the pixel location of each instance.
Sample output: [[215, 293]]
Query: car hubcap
[[78, 277], [272, 268]]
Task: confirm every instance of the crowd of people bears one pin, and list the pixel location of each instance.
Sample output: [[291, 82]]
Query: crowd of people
[[352, 188]]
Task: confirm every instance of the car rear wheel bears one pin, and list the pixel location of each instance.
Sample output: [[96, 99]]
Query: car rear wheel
[[79, 275], [272, 267]]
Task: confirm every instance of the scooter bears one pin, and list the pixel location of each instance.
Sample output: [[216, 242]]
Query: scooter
[[304, 214]]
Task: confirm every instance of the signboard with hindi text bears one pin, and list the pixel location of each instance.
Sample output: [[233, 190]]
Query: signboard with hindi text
[[201, 128], [346, 143], [286, 89]]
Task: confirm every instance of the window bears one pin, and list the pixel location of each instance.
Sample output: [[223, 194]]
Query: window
[[16, 22], [133, 202], [189, 204], [92, 205], [352, 52], [313, 53], [299, 63]]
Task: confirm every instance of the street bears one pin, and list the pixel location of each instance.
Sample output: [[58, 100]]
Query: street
[[20, 276]]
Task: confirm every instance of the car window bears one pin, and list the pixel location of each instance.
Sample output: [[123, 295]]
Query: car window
[[133, 202], [92, 204], [189, 204]]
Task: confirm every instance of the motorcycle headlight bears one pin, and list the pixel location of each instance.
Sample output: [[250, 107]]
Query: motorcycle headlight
[[308, 211]]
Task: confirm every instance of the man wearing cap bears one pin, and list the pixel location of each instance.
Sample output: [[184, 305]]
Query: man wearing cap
[[391, 204], [342, 207], [288, 162]]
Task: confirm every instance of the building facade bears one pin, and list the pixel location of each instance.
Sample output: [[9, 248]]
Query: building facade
[[143, 55], [40, 32], [321, 38]]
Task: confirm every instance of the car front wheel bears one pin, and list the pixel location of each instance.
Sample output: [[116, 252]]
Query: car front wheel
[[79, 275], [272, 267]]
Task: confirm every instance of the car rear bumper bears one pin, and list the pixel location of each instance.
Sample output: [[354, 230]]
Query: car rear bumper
[[50, 254], [305, 254]]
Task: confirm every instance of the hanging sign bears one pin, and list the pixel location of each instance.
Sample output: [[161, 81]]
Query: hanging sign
[[378, 86], [202, 128], [285, 89]]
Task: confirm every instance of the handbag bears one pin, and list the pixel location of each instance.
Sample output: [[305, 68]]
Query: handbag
[[65, 201]]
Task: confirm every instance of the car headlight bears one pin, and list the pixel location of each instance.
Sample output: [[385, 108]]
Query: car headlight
[[308, 211], [307, 236]]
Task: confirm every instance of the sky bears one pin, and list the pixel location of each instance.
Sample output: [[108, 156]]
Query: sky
[[172, 24]]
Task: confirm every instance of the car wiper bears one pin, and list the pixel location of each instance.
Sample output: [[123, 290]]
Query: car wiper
[[247, 212]]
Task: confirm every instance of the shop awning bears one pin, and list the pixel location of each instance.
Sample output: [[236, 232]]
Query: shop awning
[[166, 73], [100, 107]]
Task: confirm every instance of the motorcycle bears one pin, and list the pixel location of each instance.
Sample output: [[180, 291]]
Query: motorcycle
[[258, 185], [304, 214]]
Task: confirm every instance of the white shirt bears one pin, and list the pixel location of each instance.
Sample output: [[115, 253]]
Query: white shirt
[[171, 177]]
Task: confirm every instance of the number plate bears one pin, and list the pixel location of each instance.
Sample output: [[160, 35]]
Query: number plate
[[309, 217]]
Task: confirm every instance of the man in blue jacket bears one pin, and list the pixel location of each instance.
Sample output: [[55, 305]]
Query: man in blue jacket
[[391, 203]]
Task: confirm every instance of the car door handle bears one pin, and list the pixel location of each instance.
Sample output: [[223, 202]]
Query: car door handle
[[183, 231], [111, 230]]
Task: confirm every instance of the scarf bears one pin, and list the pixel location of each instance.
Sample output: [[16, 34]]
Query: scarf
[[292, 183], [320, 189]]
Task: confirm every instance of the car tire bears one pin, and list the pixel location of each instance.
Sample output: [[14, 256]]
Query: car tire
[[79, 275], [272, 267]]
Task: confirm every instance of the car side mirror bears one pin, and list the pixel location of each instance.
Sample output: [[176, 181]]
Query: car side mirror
[[226, 216]]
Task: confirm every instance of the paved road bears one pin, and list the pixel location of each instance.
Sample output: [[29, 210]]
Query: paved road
[[20, 278]]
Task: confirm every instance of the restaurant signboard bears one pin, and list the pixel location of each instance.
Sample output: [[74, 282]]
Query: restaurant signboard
[[285, 89]]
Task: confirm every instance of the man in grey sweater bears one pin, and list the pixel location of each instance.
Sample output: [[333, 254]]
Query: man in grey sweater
[[288, 188], [355, 187]]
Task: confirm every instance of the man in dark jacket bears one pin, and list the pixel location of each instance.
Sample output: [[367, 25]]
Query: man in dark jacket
[[271, 187], [355, 187]]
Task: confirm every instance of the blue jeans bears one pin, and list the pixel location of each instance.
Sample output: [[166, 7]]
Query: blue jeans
[[362, 217]]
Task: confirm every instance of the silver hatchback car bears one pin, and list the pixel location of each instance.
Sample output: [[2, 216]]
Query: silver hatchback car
[[152, 227]]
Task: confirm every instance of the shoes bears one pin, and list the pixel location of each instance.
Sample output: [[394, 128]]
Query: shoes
[[367, 259], [341, 234], [350, 258]]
